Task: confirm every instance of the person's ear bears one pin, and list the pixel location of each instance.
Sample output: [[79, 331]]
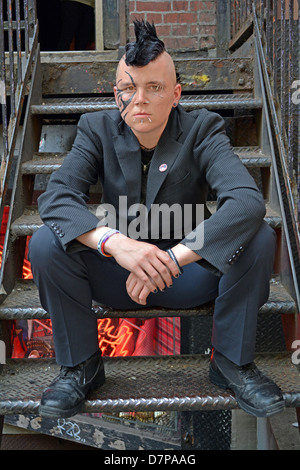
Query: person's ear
[[177, 93], [115, 95]]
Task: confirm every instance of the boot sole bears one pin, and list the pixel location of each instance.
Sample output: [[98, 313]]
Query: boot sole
[[221, 382], [51, 412]]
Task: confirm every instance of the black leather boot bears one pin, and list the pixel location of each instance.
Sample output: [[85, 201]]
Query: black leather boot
[[66, 394], [254, 392]]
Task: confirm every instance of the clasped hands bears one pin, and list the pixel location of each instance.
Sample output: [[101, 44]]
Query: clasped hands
[[151, 269]]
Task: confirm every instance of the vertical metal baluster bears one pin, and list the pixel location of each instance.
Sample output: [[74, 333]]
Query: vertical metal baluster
[[19, 47], [11, 59], [291, 147], [3, 84], [268, 31], [26, 28], [242, 12], [297, 62], [31, 17], [275, 50], [262, 15], [282, 67]]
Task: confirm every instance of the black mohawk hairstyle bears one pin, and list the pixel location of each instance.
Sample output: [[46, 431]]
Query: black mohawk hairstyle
[[147, 46]]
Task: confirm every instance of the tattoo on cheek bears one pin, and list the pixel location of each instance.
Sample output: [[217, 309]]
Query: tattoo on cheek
[[123, 104]]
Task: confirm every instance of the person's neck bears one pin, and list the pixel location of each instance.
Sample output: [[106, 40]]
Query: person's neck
[[147, 143], [148, 149], [148, 140]]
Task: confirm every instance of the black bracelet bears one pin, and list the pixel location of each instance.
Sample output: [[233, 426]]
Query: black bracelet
[[173, 257]]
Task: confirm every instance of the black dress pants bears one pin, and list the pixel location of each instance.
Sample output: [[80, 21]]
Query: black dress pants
[[69, 282]]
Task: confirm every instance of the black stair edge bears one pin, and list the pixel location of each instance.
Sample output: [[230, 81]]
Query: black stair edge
[[153, 383], [23, 303], [189, 102]]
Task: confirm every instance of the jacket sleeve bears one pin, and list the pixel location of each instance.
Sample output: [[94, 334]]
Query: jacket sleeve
[[63, 206], [220, 239]]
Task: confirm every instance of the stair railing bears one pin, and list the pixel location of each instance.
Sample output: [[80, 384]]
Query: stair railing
[[18, 45], [276, 29]]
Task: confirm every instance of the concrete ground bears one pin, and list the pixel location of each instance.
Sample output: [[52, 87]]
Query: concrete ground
[[285, 429]]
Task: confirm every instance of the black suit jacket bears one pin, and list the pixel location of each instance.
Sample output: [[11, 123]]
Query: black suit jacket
[[198, 155]]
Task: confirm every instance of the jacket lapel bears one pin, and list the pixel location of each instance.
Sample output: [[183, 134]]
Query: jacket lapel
[[164, 157], [129, 156]]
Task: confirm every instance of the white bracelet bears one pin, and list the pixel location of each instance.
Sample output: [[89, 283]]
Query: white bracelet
[[103, 239]]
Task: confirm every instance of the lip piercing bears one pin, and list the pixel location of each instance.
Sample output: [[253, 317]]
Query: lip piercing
[[149, 119]]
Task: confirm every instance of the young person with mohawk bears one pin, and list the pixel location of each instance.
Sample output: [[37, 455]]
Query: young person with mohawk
[[153, 153]]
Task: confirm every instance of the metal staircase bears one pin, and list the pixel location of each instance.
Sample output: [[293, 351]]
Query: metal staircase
[[160, 383]]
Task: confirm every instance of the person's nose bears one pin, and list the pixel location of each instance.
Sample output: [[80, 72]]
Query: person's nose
[[141, 96]]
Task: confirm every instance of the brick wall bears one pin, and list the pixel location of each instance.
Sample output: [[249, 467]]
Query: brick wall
[[184, 26]]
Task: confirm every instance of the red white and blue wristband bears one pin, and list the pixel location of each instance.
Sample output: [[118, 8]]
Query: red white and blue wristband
[[103, 239]]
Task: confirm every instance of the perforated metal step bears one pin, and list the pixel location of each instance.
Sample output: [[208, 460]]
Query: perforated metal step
[[23, 303], [142, 384], [46, 163]]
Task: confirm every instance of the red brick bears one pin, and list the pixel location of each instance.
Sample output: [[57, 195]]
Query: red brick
[[180, 30], [163, 31], [181, 43], [206, 30], [180, 6], [152, 6], [207, 17], [200, 5], [155, 17], [179, 18]]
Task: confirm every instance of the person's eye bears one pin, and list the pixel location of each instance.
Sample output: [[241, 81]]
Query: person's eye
[[155, 88], [129, 89]]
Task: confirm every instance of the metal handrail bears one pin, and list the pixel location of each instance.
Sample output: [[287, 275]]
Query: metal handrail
[[276, 30], [18, 45], [266, 105]]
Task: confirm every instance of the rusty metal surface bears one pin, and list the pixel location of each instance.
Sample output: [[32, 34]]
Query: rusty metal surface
[[195, 74], [23, 303], [189, 102], [142, 384]]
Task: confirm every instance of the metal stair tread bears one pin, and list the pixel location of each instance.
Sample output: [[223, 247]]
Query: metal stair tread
[[46, 162], [23, 303], [79, 105], [150, 383], [30, 221]]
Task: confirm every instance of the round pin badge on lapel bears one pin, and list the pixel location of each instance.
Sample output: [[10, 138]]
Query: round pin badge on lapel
[[163, 167]]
